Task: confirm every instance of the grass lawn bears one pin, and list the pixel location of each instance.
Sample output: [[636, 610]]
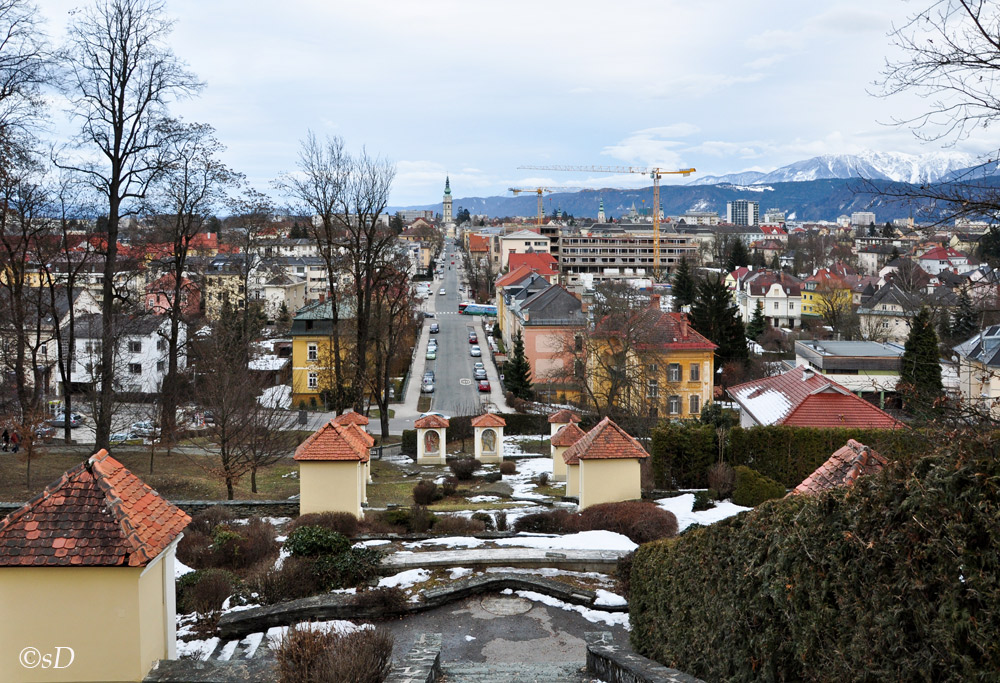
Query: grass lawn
[[424, 404], [177, 477], [375, 413]]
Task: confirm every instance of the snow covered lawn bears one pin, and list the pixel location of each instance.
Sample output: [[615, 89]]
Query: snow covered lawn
[[681, 507]]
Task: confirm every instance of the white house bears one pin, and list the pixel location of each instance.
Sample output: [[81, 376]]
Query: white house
[[521, 242], [280, 290], [780, 293], [140, 356], [940, 259]]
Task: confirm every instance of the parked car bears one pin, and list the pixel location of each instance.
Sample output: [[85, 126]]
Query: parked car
[[427, 387], [44, 432], [431, 354], [473, 339], [478, 365], [429, 376], [145, 429], [209, 417], [484, 385], [435, 328], [479, 374], [475, 352], [59, 420], [441, 415], [118, 438], [428, 314]]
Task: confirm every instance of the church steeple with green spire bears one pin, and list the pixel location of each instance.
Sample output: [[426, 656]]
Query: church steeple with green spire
[[447, 185], [446, 203]]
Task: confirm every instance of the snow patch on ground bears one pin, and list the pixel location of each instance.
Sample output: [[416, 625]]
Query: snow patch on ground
[[405, 579], [459, 572], [276, 633], [251, 643], [372, 542], [199, 649], [483, 499], [592, 615], [470, 638], [584, 540], [282, 556], [528, 469], [228, 650], [609, 599], [180, 569], [681, 507], [449, 541], [277, 521]]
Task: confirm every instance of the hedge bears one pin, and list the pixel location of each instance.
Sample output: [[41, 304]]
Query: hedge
[[753, 488], [526, 423], [894, 579], [682, 453], [408, 442]]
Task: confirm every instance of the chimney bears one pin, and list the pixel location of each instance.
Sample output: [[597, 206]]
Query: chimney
[[807, 374], [684, 326], [654, 301]]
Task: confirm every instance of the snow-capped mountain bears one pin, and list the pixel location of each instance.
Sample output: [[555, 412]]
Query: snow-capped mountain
[[896, 166]]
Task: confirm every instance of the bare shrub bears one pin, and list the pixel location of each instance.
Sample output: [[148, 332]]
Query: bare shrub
[[316, 656], [342, 522], [501, 520], [555, 522], [209, 518], [195, 549], [508, 467], [387, 601], [641, 522], [295, 579], [453, 526], [426, 492], [421, 519], [542, 478], [205, 590], [449, 487], [722, 479], [464, 468], [623, 574]]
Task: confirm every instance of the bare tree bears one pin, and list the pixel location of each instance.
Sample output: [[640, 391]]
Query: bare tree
[[392, 323], [120, 77], [22, 73], [267, 438], [192, 184]]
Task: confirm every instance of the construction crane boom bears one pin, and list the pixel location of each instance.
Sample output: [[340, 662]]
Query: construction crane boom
[[539, 191], [654, 172]]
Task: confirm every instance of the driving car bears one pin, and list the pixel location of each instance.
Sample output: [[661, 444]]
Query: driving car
[[484, 385], [435, 328], [475, 351], [427, 387], [431, 354], [479, 374], [441, 292]]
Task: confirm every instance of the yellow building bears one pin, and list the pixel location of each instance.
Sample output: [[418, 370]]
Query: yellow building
[[824, 292], [221, 287], [87, 578], [488, 437], [605, 464], [561, 441], [650, 362], [333, 473], [313, 367]]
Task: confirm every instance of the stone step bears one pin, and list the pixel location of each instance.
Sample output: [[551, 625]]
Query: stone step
[[509, 672]]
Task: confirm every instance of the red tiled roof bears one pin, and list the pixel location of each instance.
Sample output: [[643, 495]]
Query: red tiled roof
[[350, 418], [564, 416], [803, 397], [515, 276], [567, 436], [479, 243], [336, 442], [606, 441], [942, 254], [543, 263], [842, 469], [661, 330], [430, 422], [96, 514], [488, 420]]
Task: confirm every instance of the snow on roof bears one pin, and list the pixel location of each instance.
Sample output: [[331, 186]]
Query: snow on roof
[[276, 397], [768, 406], [265, 363]]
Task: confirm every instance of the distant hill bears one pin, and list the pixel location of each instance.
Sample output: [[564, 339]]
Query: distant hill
[[802, 201]]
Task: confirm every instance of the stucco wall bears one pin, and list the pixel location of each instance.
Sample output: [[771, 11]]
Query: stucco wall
[[152, 613], [558, 464], [573, 480], [93, 610], [326, 486], [609, 481]]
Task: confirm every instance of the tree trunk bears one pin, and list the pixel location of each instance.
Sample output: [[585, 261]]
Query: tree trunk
[[229, 487], [253, 479], [107, 374]]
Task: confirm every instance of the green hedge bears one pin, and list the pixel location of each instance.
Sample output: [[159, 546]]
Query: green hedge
[[682, 453], [408, 442], [894, 579], [526, 423], [753, 488]]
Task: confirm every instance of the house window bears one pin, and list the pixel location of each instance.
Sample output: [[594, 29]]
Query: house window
[[652, 389], [652, 368], [674, 405], [161, 344], [791, 307], [775, 305], [695, 372], [313, 352], [695, 404], [160, 365], [578, 343], [578, 369], [135, 368], [313, 380], [135, 347], [674, 372]]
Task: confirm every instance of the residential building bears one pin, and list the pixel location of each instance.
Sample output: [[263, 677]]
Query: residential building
[[140, 357], [286, 247], [774, 217], [941, 259], [780, 294], [743, 212], [544, 264], [873, 258], [313, 362], [863, 218], [410, 215], [280, 294], [506, 284], [979, 371], [160, 296], [824, 292], [886, 315], [805, 398], [588, 257], [521, 242], [867, 368]]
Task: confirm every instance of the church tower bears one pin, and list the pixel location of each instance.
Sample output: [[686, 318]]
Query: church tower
[[446, 208], [600, 212]]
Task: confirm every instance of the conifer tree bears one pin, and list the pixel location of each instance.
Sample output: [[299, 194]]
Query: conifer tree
[[920, 368], [683, 285], [965, 322], [758, 324], [738, 256], [518, 371], [714, 316]]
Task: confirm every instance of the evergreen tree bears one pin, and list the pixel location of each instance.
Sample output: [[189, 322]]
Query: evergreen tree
[[775, 263], [517, 377], [714, 316], [894, 255], [965, 322], [758, 259], [887, 230], [683, 285], [738, 256], [989, 246], [758, 323], [920, 369]]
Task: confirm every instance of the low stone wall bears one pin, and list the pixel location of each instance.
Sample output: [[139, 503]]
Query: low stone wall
[[614, 664], [345, 605], [422, 664], [603, 561], [243, 508]]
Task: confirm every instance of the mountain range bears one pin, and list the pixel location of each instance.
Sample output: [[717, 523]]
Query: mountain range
[[821, 188]]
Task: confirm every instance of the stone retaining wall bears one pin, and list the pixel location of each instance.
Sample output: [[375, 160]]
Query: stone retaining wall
[[613, 664], [422, 664], [239, 508]]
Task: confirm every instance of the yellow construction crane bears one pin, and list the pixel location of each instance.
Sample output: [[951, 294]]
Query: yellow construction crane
[[655, 173], [539, 191]]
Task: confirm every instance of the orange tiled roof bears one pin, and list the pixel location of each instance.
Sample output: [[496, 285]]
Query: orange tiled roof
[[352, 417], [488, 420], [514, 276], [564, 416], [97, 514], [336, 442], [567, 436], [842, 469], [542, 262], [479, 243], [606, 441], [430, 422]]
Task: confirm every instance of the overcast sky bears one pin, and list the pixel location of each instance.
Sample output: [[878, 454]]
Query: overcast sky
[[475, 89]]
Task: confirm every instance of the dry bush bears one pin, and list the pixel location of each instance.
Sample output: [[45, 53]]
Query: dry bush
[[722, 479], [501, 520], [641, 522], [195, 549], [426, 492], [421, 519], [209, 518], [228, 546], [508, 467], [555, 522], [205, 590], [623, 574], [464, 468], [342, 522], [295, 579], [486, 518], [453, 526], [388, 601], [542, 478], [449, 487], [375, 524], [308, 656]]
